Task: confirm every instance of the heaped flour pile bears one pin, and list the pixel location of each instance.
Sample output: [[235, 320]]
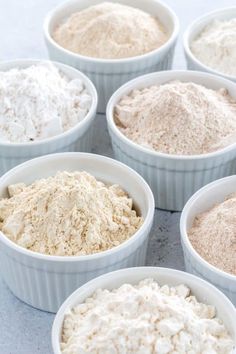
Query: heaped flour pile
[[216, 46], [110, 31], [180, 118], [39, 102], [144, 319], [69, 214]]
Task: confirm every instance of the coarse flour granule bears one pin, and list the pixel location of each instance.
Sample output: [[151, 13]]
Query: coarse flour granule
[[213, 235], [144, 319], [110, 31], [69, 214], [180, 118], [216, 46], [39, 102]]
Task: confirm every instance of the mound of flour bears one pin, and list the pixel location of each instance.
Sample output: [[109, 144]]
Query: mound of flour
[[178, 118], [69, 214], [216, 46], [111, 31], [39, 102]]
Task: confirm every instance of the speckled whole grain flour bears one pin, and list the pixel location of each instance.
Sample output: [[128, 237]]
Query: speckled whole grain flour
[[178, 118], [110, 31], [69, 214], [213, 235]]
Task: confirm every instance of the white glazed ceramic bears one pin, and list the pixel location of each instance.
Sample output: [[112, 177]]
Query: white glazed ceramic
[[107, 75], [45, 281], [78, 138], [204, 292], [201, 201], [172, 178], [195, 29]]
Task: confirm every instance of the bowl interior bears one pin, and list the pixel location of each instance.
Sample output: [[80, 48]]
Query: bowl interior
[[104, 169], [209, 196], [202, 290], [153, 7]]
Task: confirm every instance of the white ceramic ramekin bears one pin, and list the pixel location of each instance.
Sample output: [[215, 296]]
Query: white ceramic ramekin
[[172, 178], [78, 138], [195, 29], [45, 281], [108, 75], [204, 292], [201, 201]]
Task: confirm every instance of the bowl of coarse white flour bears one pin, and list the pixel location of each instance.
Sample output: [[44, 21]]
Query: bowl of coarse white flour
[[145, 310], [45, 107], [208, 234], [112, 42], [67, 218], [177, 129], [210, 43]]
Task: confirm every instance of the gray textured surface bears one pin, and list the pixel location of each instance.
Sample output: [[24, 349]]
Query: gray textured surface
[[24, 330]]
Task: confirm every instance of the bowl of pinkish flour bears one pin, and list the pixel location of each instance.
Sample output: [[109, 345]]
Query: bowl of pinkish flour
[[177, 129], [112, 41], [45, 107], [208, 234], [210, 42]]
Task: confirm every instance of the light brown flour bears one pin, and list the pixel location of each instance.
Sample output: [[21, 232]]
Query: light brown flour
[[69, 214], [213, 235], [110, 31], [178, 118]]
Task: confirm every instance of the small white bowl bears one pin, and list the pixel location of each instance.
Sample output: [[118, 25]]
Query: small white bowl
[[106, 74], [201, 201], [45, 281], [78, 138], [204, 292], [172, 178], [195, 29]]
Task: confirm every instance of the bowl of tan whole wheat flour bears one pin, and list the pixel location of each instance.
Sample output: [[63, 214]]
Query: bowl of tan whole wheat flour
[[145, 310], [112, 42], [177, 129], [45, 107], [210, 43], [208, 234], [67, 218]]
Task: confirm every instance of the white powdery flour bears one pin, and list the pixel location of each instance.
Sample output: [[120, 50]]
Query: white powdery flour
[[39, 102], [144, 319], [216, 46]]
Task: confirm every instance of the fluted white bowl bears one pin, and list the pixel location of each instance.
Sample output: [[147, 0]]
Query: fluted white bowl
[[204, 292], [78, 138], [109, 74], [172, 178], [200, 202], [45, 281]]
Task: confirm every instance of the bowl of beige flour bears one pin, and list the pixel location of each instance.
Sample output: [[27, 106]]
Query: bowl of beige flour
[[208, 234], [67, 218], [210, 42], [177, 129], [112, 42]]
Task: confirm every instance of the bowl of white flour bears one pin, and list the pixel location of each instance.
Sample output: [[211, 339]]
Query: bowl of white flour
[[112, 42], [45, 107], [208, 235], [177, 129], [145, 310], [67, 218], [210, 42]]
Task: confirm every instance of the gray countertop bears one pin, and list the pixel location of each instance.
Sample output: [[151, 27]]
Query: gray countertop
[[23, 329]]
